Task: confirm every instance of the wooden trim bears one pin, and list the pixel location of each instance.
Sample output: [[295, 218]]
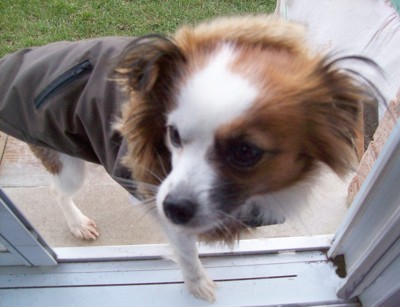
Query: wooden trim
[[375, 146], [3, 143]]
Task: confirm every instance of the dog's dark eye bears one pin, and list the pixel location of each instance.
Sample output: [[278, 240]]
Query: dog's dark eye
[[174, 136], [243, 154]]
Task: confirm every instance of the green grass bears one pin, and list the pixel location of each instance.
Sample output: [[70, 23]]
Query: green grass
[[36, 22]]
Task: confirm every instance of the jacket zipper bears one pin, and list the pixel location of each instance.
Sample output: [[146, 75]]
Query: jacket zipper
[[63, 80]]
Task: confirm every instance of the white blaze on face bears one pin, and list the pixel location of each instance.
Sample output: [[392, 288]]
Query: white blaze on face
[[211, 97]]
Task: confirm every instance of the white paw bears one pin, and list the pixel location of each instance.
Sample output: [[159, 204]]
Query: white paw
[[84, 229], [202, 287]]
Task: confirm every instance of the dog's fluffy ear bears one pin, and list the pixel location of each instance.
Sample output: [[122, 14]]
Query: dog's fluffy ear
[[333, 110], [148, 72], [149, 60]]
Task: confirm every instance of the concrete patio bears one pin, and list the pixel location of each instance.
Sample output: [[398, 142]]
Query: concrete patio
[[119, 222]]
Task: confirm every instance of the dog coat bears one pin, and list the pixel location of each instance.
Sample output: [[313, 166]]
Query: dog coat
[[62, 96]]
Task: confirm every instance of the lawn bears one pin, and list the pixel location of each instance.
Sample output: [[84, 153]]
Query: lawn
[[37, 22]]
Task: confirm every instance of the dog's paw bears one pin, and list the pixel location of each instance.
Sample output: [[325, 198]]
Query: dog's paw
[[84, 229], [202, 287], [255, 216]]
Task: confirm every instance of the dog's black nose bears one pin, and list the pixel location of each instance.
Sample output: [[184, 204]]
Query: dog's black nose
[[179, 210]]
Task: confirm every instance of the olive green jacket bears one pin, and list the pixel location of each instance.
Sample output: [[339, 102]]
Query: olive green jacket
[[62, 96]]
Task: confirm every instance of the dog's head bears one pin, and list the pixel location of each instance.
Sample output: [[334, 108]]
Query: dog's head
[[231, 109]]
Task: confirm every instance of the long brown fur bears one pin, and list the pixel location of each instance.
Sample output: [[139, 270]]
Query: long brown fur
[[152, 68], [49, 158], [321, 102], [149, 70]]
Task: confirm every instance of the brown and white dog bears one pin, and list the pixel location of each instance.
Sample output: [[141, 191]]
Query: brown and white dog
[[217, 115]]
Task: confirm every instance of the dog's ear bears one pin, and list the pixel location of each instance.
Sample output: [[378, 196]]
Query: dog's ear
[[149, 71], [149, 60], [333, 110]]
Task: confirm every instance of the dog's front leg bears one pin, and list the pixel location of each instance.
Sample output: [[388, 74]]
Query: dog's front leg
[[194, 275]]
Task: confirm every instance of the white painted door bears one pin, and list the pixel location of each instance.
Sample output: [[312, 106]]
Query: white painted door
[[369, 237], [20, 244]]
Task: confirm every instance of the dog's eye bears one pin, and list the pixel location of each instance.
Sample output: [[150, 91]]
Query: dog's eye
[[244, 154], [174, 136]]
